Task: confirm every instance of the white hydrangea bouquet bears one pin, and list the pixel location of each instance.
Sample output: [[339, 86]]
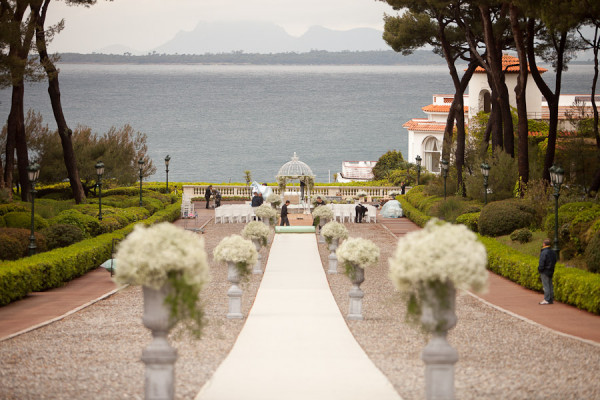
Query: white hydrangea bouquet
[[256, 230], [361, 193], [274, 199], [165, 254], [357, 252], [264, 211], [237, 250], [323, 212], [439, 254], [334, 230]]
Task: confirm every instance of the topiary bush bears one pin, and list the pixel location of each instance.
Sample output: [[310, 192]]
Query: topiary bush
[[522, 235], [21, 219], [88, 224], [109, 224], [21, 242], [576, 225], [592, 254], [15, 206], [470, 220], [503, 217], [10, 247], [62, 235]]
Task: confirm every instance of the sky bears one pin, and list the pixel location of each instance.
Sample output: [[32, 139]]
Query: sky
[[145, 24]]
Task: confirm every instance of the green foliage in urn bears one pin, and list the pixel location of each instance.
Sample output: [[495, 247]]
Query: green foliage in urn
[[264, 211], [432, 257], [334, 230], [237, 250], [256, 230], [357, 252], [161, 255]]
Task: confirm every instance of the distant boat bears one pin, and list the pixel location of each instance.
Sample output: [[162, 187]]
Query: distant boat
[[356, 171]]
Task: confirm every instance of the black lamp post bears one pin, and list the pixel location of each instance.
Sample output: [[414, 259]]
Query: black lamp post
[[485, 171], [33, 172], [419, 159], [99, 172], [141, 165], [445, 174], [557, 175], [167, 159]]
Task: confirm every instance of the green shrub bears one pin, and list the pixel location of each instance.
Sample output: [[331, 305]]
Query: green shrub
[[470, 220], [15, 206], [133, 214], [21, 219], [21, 240], [412, 213], [502, 217], [109, 224], [418, 199], [49, 208], [62, 235], [2, 223], [522, 235], [10, 247], [592, 254], [571, 285], [88, 224], [576, 225]]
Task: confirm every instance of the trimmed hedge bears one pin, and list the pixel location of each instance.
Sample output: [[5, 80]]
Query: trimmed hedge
[[571, 285], [411, 212], [21, 240], [54, 268], [503, 217], [22, 220], [470, 220]]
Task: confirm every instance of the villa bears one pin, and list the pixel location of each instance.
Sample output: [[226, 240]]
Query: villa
[[425, 135]]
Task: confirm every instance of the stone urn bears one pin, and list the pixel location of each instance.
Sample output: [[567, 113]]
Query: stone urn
[[438, 317], [266, 221], [356, 294], [333, 261], [159, 357], [322, 222], [257, 269], [234, 293]]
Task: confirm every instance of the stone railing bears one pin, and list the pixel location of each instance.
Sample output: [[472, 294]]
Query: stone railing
[[191, 191]]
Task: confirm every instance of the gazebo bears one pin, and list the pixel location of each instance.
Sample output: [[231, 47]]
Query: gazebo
[[296, 169]]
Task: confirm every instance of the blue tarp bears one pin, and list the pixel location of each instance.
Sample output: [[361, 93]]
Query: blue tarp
[[391, 209]]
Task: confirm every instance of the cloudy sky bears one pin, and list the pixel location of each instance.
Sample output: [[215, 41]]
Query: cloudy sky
[[146, 24]]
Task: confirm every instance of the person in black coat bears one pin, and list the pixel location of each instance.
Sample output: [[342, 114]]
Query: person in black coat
[[546, 270], [360, 213], [207, 195], [284, 214]]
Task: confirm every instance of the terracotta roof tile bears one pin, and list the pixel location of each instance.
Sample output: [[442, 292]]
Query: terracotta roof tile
[[510, 60], [424, 125], [440, 108]]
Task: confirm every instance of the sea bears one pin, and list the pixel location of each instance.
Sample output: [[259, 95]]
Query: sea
[[217, 121]]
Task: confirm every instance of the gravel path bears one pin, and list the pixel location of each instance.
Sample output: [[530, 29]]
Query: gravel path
[[95, 353]]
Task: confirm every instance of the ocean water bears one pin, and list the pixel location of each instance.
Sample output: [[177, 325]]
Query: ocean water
[[216, 121]]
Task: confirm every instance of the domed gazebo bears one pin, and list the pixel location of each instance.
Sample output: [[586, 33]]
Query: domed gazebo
[[295, 169]]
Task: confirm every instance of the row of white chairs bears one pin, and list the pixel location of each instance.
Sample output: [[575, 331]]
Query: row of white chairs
[[347, 212], [233, 213]]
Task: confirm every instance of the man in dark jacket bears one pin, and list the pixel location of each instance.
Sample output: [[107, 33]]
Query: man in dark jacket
[[256, 200], [207, 195], [360, 213], [546, 270], [284, 214]]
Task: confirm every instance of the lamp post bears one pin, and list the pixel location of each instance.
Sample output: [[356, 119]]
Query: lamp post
[[445, 174], [141, 165], [99, 172], [557, 175], [418, 159], [485, 171], [33, 172], [167, 159]]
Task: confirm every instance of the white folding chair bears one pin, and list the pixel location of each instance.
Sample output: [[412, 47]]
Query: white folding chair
[[219, 214]]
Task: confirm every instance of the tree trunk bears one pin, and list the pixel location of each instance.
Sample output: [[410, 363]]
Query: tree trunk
[[520, 92], [16, 132], [54, 92], [495, 123], [596, 181]]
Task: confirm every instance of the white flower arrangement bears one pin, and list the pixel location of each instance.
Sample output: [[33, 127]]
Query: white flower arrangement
[[165, 254], [265, 211], [334, 230], [439, 252], [361, 193], [323, 212], [237, 250], [274, 198], [393, 193], [256, 230], [357, 252]]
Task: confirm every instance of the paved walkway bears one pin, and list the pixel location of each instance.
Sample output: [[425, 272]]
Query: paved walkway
[[523, 303], [295, 343]]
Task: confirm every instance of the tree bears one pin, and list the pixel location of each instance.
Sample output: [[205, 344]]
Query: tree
[[387, 163]]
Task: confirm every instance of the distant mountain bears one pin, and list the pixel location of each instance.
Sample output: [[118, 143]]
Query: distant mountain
[[119, 49], [264, 38]]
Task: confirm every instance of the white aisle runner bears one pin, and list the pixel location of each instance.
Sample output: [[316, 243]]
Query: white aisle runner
[[295, 343]]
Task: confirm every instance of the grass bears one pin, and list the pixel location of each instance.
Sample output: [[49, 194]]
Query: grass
[[532, 248]]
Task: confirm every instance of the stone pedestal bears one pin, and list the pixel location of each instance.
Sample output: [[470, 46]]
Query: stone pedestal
[[234, 293], [159, 357], [257, 269], [333, 261], [356, 295], [322, 223], [438, 317]]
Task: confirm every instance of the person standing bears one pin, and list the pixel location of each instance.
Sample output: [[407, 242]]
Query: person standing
[[546, 270], [403, 188], [360, 213], [284, 214], [207, 195], [256, 200], [217, 195]]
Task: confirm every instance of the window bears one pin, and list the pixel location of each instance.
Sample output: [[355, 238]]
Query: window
[[432, 154]]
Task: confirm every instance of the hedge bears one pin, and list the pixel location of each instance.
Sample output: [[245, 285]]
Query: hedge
[[411, 212], [53, 268], [571, 285]]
